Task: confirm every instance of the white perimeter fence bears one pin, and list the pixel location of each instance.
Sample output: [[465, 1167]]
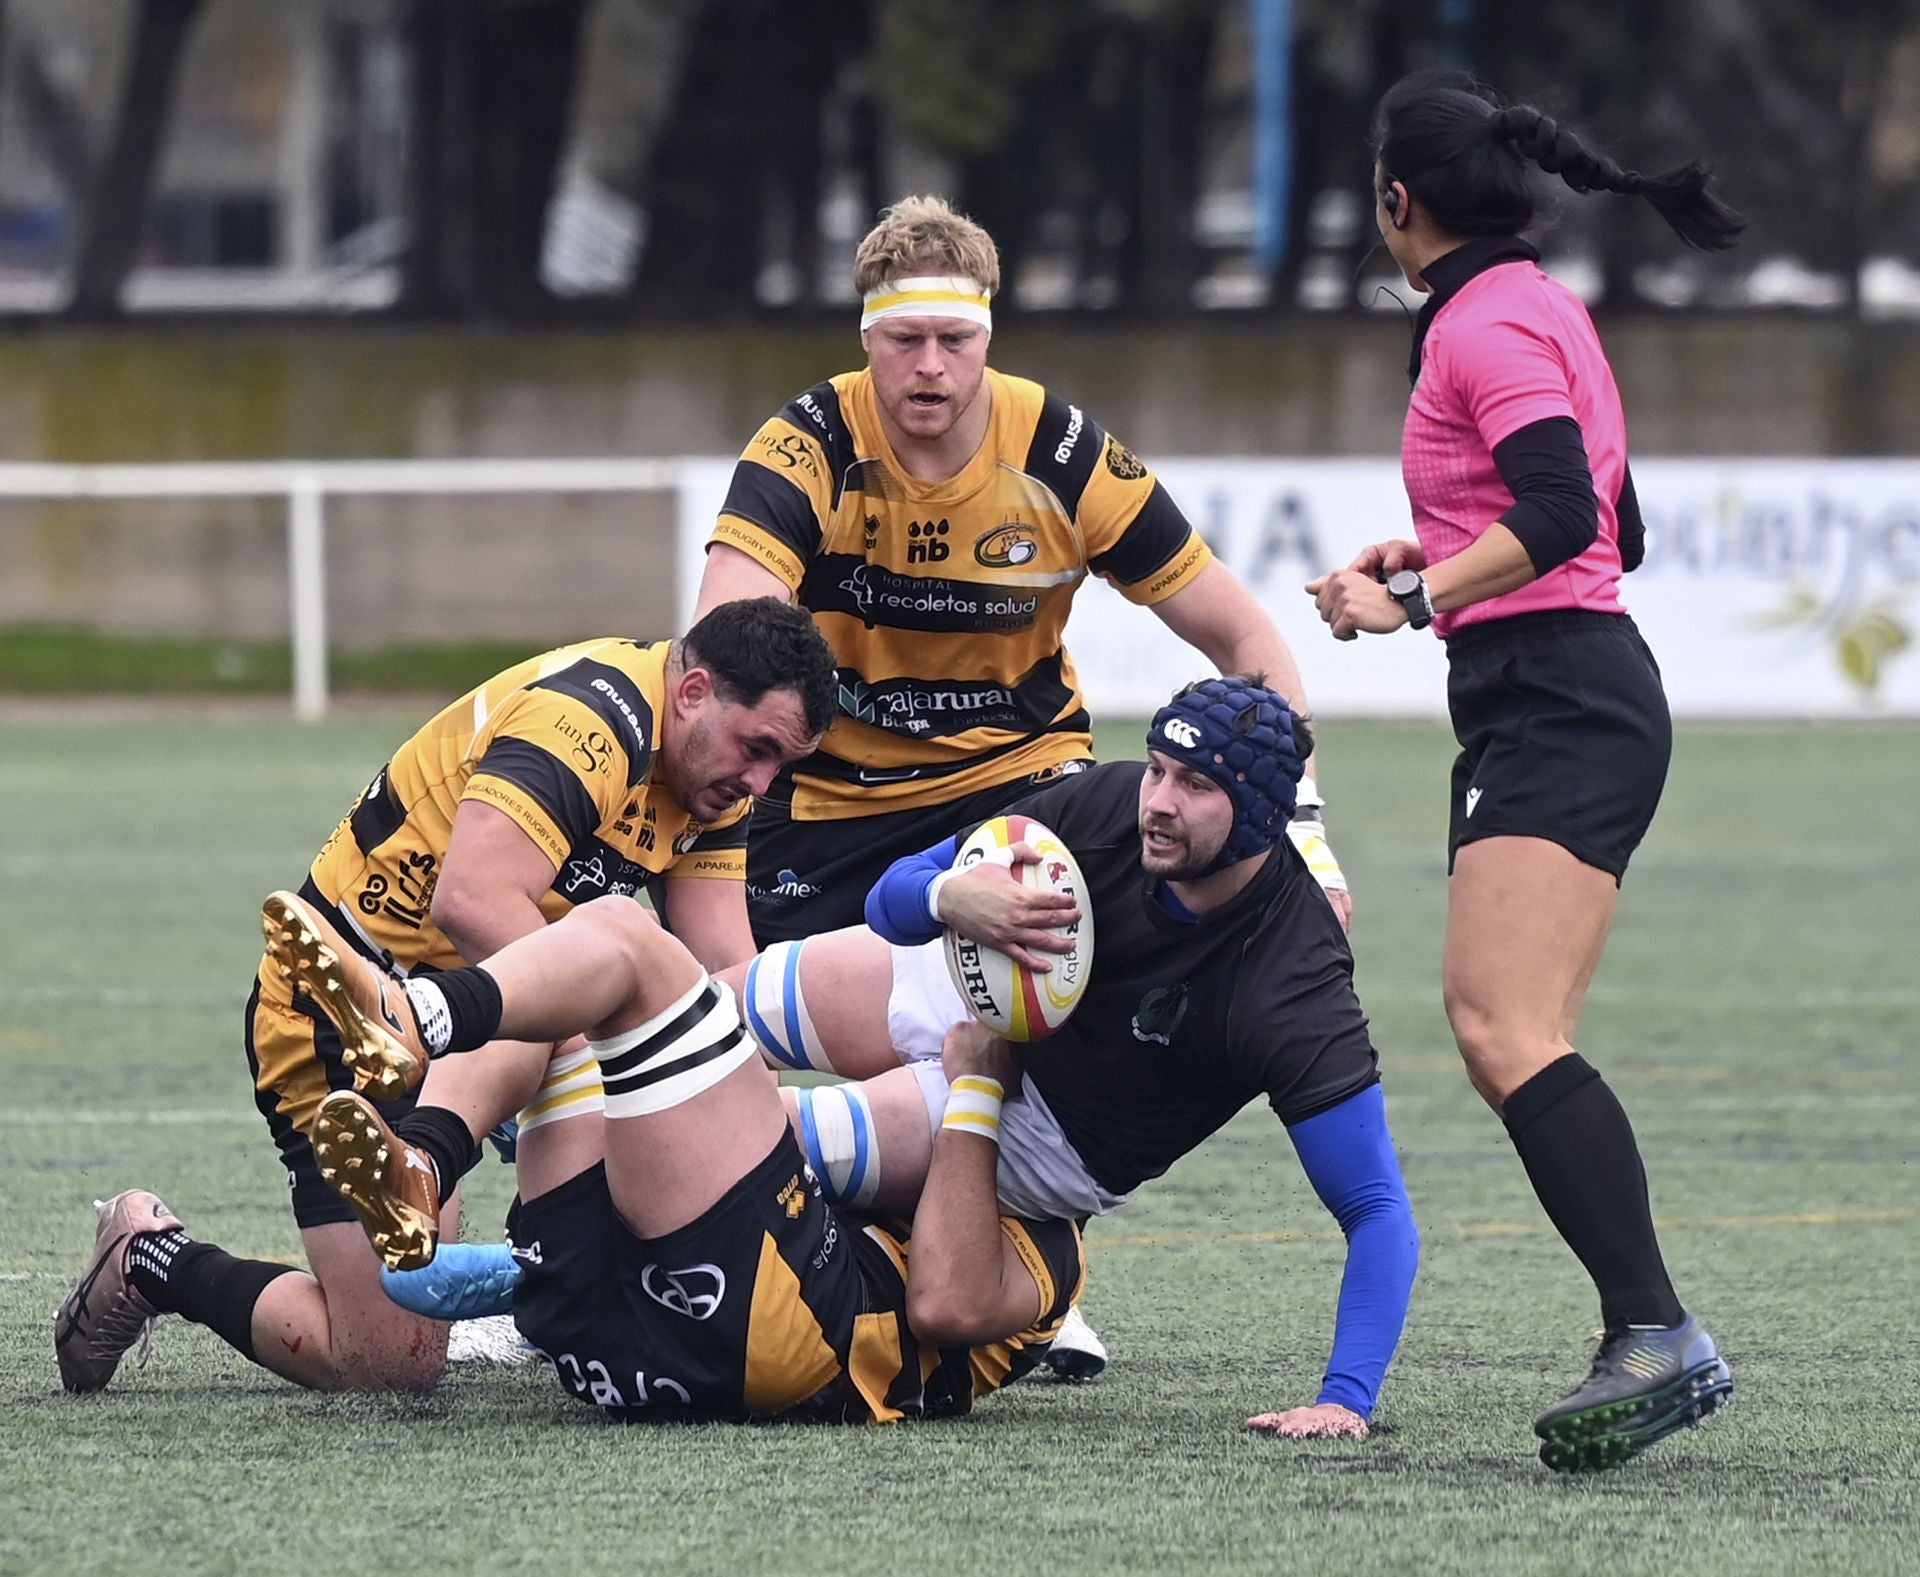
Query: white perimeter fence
[[1772, 588]]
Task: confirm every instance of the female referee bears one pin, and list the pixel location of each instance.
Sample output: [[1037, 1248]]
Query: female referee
[[1514, 456]]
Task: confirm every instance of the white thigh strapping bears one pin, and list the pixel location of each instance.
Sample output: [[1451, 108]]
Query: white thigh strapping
[[1041, 1174], [776, 1010]]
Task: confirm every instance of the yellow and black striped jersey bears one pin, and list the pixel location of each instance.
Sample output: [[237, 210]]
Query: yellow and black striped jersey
[[894, 1377], [567, 744], [945, 602]]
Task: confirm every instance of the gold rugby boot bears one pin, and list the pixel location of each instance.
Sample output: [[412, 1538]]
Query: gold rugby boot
[[391, 1186], [379, 1036]]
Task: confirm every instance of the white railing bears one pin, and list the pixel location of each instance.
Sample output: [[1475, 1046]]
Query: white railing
[[306, 485]]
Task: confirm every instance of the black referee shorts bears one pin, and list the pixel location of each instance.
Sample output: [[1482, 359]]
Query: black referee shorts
[[1564, 734]]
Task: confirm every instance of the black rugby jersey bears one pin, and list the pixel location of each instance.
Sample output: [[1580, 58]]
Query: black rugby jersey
[[1184, 1022]]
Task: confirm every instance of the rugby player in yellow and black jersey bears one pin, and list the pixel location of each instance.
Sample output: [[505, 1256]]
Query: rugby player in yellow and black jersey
[[600, 768], [671, 1253], [936, 517]]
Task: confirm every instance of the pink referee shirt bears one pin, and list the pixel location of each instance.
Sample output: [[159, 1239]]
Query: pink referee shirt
[[1512, 347]]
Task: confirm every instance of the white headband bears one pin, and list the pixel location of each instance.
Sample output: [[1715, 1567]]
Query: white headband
[[935, 297]]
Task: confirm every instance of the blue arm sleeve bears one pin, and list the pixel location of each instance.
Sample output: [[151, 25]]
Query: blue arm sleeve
[[1348, 1155], [897, 903]]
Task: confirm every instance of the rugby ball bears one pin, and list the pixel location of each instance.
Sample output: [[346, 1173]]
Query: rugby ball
[[1019, 1003]]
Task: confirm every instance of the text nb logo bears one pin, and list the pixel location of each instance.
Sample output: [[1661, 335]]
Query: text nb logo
[[695, 1290]]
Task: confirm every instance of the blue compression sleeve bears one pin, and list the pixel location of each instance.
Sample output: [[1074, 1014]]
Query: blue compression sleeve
[[897, 903], [1348, 1156]]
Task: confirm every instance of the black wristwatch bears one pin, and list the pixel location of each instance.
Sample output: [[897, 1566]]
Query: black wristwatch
[[1408, 587]]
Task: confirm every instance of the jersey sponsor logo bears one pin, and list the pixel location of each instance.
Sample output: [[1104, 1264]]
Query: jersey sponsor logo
[[1473, 799], [870, 531], [793, 1197], [625, 709], [815, 414], [695, 1291], [1007, 546], [1123, 462], [599, 870], [786, 885], [856, 701], [924, 541], [886, 774], [791, 452], [529, 1252], [592, 1382], [608, 691], [584, 873], [685, 842], [1159, 1014], [1187, 561], [829, 1241], [883, 596], [1054, 773], [1076, 423], [1181, 732], [925, 708]]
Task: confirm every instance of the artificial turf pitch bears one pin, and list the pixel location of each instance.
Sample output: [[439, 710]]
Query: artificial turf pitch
[[1757, 1012]]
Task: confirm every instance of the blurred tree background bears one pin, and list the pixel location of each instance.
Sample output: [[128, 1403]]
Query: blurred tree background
[[547, 161]]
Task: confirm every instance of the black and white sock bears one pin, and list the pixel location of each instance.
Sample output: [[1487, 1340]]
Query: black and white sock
[[456, 1009], [201, 1283]]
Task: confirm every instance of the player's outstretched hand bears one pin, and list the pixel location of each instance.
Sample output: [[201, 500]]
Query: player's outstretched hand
[[970, 1047], [990, 904], [1329, 1420]]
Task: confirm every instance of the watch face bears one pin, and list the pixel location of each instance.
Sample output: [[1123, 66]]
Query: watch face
[[1404, 583]]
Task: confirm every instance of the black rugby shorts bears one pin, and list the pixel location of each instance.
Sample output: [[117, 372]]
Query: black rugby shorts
[[743, 1313], [1564, 734]]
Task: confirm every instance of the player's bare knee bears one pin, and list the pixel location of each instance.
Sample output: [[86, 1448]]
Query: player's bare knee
[[412, 1358]]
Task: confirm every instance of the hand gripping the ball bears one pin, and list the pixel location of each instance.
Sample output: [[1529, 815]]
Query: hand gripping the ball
[[990, 904]]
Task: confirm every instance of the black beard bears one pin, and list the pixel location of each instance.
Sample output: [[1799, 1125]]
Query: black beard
[[1188, 870]]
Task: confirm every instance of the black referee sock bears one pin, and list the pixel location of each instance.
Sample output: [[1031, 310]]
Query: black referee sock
[[1579, 1152], [444, 1138], [201, 1283], [456, 1009]]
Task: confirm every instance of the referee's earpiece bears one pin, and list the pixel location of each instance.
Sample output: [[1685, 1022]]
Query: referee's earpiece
[[1393, 199]]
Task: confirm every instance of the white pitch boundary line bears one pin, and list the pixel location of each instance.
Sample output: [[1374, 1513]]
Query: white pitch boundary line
[[121, 996], [159, 1116]]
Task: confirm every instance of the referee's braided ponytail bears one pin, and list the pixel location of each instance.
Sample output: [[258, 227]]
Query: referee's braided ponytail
[[1461, 155], [1680, 196]]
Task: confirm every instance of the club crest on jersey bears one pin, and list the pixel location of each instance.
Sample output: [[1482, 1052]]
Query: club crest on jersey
[[1007, 546], [1123, 462], [1160, 1013]]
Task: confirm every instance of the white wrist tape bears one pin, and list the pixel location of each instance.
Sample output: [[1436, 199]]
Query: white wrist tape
[[973, 1106], [933, 892], [1310, 838]]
